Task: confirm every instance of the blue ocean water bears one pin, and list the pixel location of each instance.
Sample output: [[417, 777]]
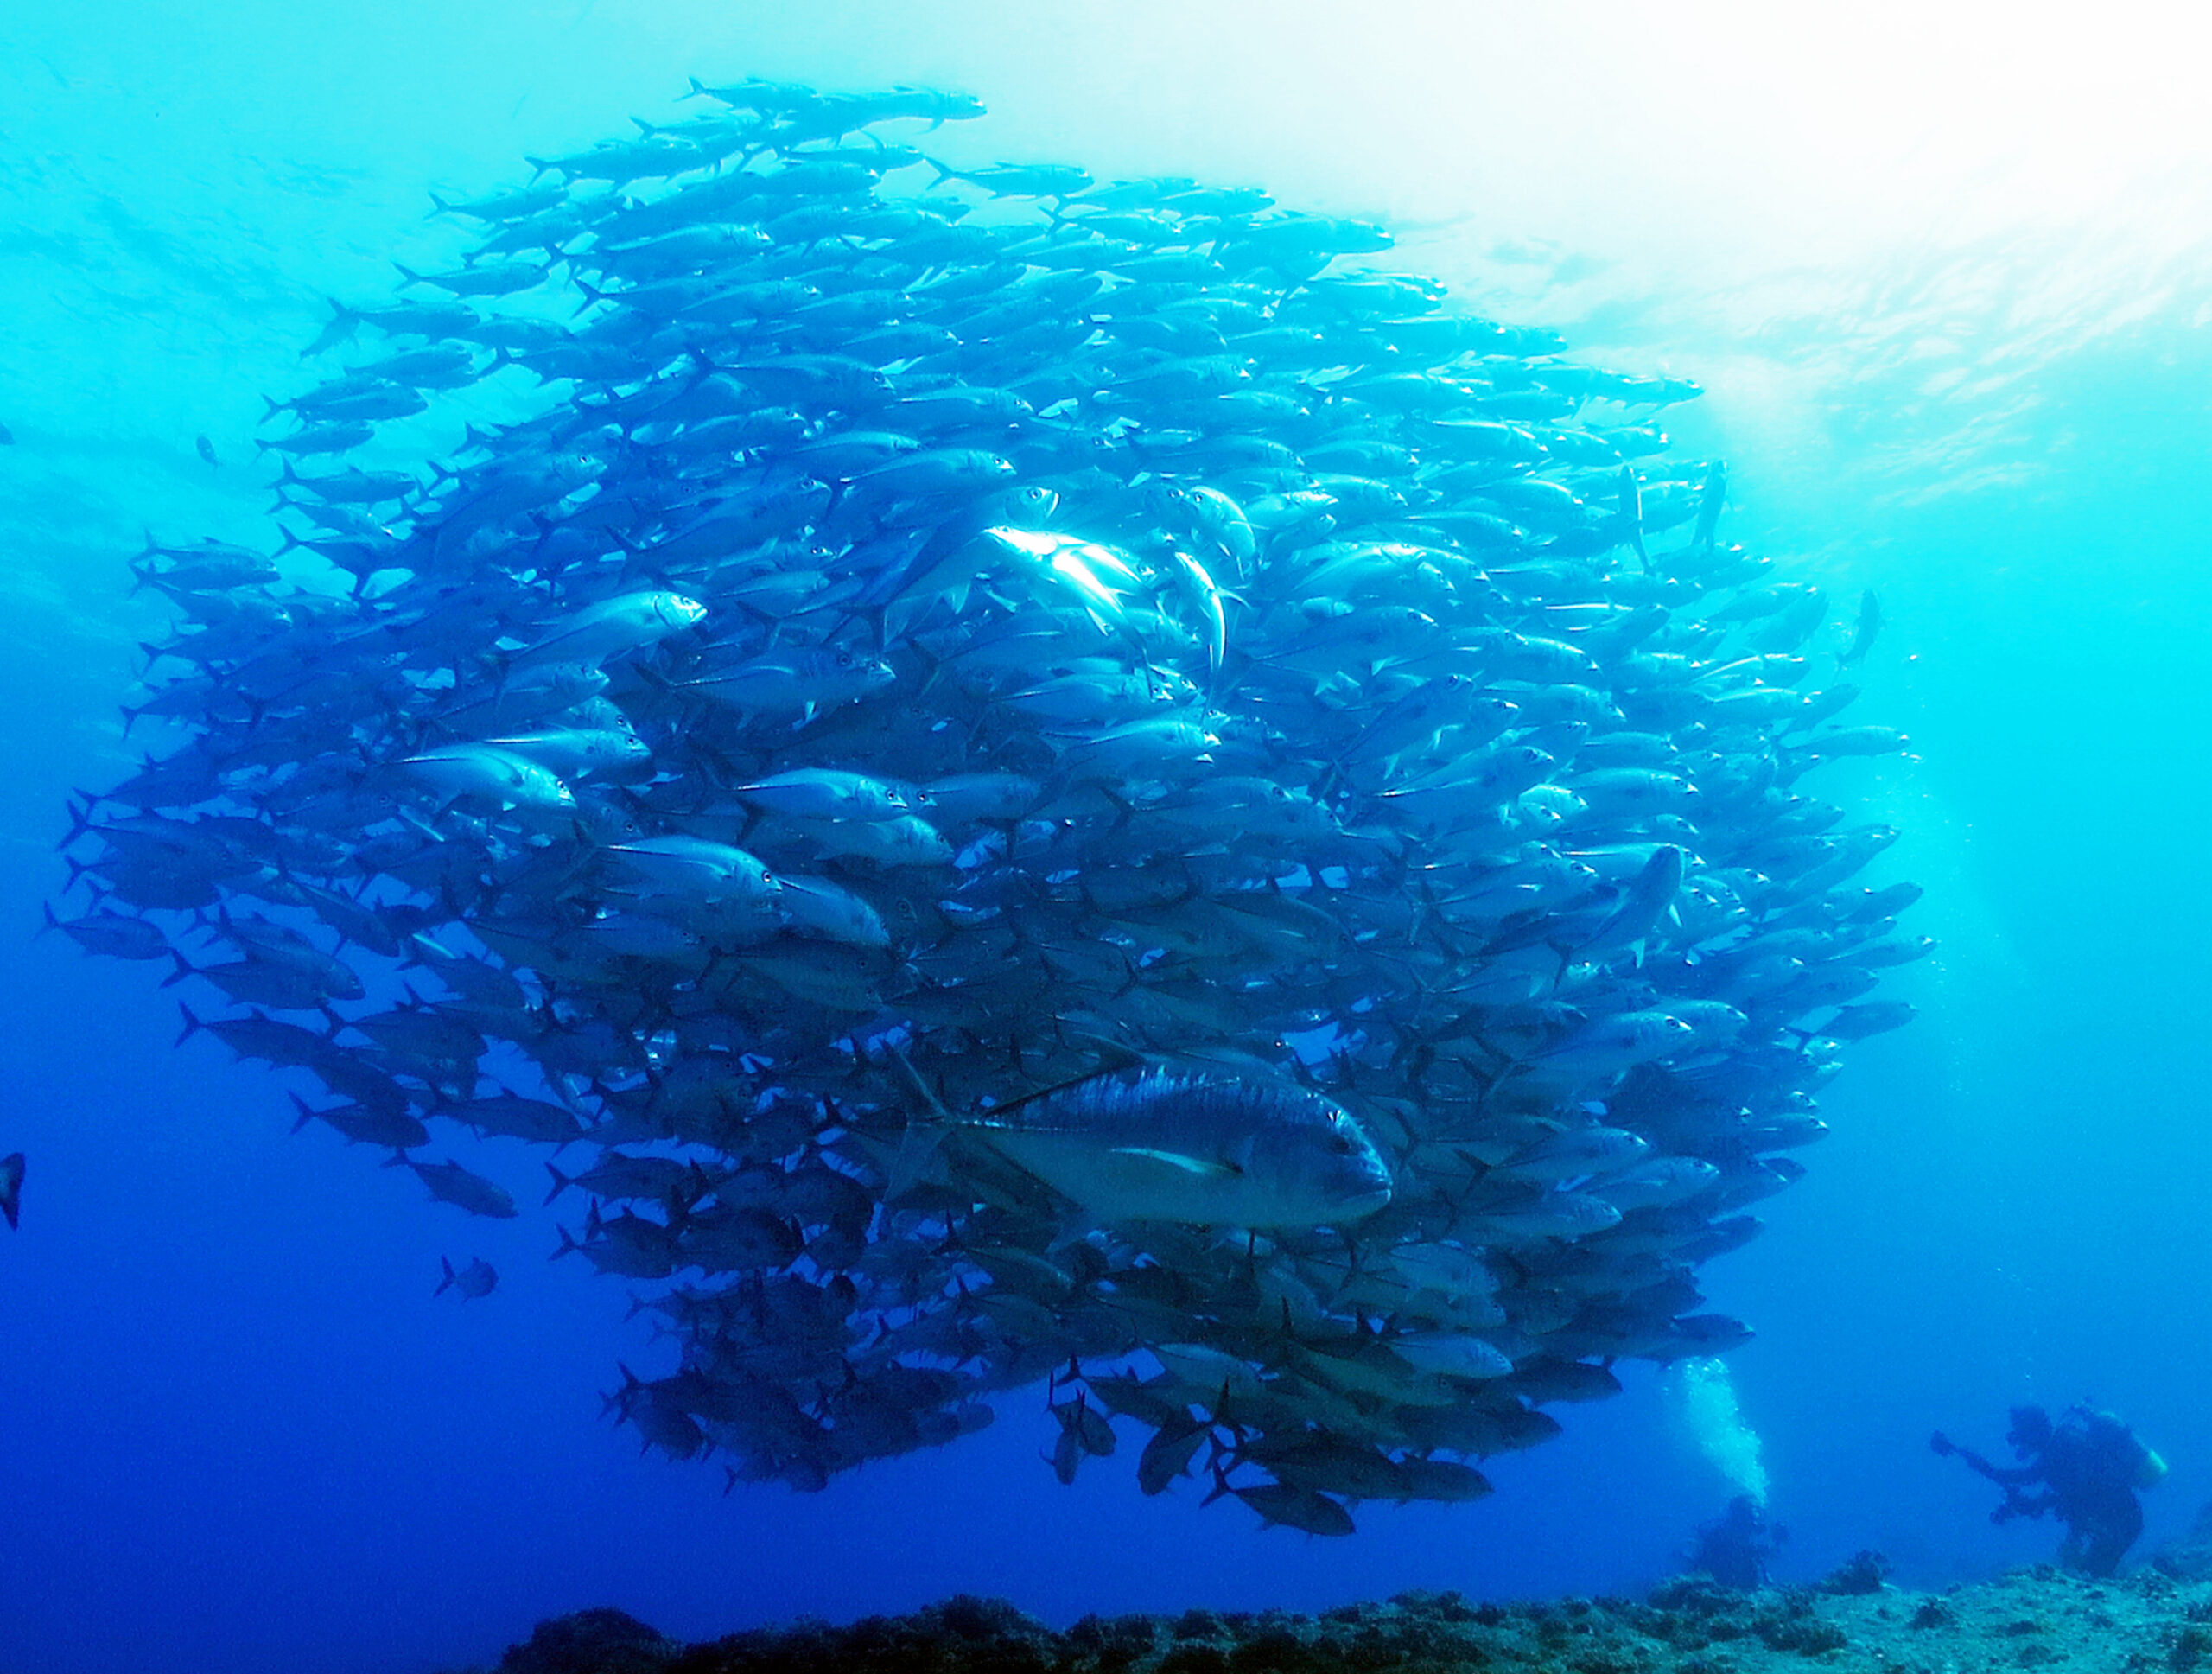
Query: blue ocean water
[[1937, 281]]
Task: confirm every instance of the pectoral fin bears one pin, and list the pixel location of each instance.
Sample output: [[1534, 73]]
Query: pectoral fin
[[1179, 1160]]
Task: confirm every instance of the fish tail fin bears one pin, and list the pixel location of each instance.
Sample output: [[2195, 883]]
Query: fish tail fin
[[697, 1186], [944, 172], [926, 1127], [1220, 1483], [183, 969], [592, 296], [307, 1112], [342, 324], [408, 274], [561, 1182], [439, 206], [932, 665], [1566, 952], [918, 1144], [80, 821], [1123, 812], [445, 1283], [567, 1243]]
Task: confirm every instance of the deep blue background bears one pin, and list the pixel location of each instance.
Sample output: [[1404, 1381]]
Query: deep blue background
[[1947, 324]]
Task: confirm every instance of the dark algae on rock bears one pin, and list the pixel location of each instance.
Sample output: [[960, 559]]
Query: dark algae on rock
[[2042, 1618], [602, 1641]]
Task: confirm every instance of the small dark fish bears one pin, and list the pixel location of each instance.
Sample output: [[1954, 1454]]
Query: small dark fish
[[1642, 903], [206, 449], [118, 935], [1858, 1023], [1862, 635], [451, 1183], [11, 1186], [367, 1125], [1168, 1455], [1710, 499], [1031, 180], [478, 1279], [1296, 1508], [7, 437], [1631, 502]]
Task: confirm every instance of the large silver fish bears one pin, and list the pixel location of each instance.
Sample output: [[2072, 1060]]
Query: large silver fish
[[1170, 1145]]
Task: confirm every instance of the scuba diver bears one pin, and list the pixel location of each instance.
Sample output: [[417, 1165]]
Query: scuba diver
[[2087, 1465], [1734, 1548]]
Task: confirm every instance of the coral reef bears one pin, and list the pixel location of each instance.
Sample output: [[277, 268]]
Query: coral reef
[[1854, 1621]]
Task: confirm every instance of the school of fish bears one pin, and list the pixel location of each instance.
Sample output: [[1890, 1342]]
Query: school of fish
[[1024, 782]]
